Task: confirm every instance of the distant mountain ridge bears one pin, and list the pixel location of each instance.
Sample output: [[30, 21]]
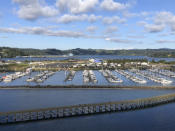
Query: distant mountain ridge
[[13, 52]]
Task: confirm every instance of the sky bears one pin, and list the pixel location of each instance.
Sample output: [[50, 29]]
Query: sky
[[95, 24]]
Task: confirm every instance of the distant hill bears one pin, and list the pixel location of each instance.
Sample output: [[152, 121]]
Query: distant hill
[[13, 52]]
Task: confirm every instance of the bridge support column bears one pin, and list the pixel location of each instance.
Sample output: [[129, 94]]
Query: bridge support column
[[102, 108], [79, 110], [113, 108], [3, 119], [53, 113], [118, 107], [97, 109], [33, 115], [47, 114], [66, 112], [108, 107], [91, 109], [85, 110], [26, 116], [19, 117], [11, 118], [73, 113], [40, 115], [60, 113]]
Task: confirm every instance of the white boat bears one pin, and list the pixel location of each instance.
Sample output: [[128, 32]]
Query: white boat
[[8, 79], [30, 79]]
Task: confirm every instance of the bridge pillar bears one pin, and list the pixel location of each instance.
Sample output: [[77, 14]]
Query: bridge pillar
[[40, 115], [108, 107], [113, 108], [134, 106], [118, 107], [102, 108], [97, 109], [19, 117], [33, 115], [53, 113], [26, 116], [73, 113], [79, 110], [60, 113], [11, 118], [3, 119], [123, 107], [128, 106], [91, 109], [66, 112], [47, 114], [85, 110]]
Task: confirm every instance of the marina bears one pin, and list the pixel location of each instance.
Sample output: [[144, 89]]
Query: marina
[[16, 75], [131, 77], [89, 76], [116, 77], [110, 77], [87, 65], [163, 72], [69, 76], [41, 77], [152, 76]]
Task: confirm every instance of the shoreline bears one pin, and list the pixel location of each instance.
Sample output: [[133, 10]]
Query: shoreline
[[85, 87]]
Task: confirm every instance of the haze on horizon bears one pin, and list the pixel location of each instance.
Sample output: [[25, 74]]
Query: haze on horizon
[[96, 24]]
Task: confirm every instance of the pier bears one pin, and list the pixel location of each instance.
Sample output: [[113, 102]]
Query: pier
[[83, 109]]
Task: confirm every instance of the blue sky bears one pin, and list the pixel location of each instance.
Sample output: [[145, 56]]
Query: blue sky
[[98, 24]]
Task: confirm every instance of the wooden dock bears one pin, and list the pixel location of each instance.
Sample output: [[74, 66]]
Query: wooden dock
[[83, 109]]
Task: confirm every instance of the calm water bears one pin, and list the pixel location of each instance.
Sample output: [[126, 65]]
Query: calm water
[[153, 119], [84, 57], [59, 77]]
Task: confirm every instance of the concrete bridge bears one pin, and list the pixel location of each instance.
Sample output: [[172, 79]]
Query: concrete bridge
[[83, 109]]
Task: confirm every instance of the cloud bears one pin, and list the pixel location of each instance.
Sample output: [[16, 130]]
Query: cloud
[[130, 14], [1, 14], [91, 29], [166, 18], [111, 5], [67, 18], [93, 18], [152, 28], [4, 37], [110, 20], [165, 41], [160, 21], [142, 23], [136, 36], [117, 40], [76, 6], [42, 31], [33, 9], [111, 29]]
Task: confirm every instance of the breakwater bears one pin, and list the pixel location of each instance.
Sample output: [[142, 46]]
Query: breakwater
[[84, 109]]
